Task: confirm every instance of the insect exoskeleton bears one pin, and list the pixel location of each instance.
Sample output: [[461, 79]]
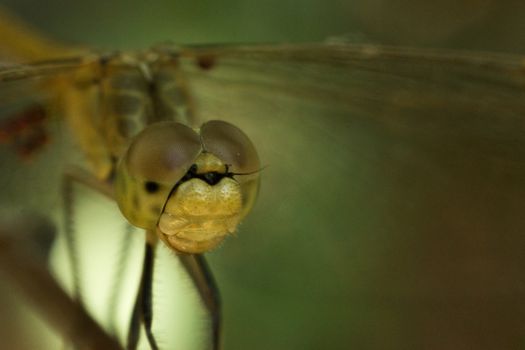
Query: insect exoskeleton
[[192, 187]]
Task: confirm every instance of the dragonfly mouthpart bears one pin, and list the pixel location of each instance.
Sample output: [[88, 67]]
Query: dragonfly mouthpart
[[198, 216]]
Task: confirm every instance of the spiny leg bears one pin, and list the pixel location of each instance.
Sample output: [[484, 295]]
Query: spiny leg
[[202, 278], [200, 273], [134, 324], [117, 279], [76, 175], [143, 308], [68, 201], [147, 296]]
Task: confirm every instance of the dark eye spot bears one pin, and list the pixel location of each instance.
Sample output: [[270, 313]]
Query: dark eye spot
[[151, 186]]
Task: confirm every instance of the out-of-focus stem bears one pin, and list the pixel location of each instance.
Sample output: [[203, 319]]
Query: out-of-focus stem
[[23, 263]]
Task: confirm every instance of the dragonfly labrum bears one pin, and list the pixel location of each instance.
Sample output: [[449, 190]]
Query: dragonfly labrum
[[391, 203]]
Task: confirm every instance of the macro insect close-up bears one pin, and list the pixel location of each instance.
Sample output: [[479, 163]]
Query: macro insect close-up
[[338, 182]]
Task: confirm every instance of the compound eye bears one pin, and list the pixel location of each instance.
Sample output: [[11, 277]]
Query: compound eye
[[230, 145], [163, 152], [235, 149], [155, 161]]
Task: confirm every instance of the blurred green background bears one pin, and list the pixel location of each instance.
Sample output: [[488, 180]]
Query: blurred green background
[[372, 285], [474, 24]]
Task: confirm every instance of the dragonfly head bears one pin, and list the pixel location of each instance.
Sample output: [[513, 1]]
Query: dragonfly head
[[182, 183]]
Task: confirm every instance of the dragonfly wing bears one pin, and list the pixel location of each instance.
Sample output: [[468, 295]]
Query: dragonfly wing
[[391, 175], [44, 69], [31, 95]]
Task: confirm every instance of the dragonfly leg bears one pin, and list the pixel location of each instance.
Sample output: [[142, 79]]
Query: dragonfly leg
[[134, 326], [147, 297], [143, 309], [72, 176], [116, 286], [200, 273], [68, 202]]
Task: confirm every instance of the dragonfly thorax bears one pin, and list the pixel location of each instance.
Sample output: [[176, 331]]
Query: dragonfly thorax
[[117, 97]]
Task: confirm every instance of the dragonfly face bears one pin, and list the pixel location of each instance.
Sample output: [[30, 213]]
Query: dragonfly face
[[401, 170], [186, 179]]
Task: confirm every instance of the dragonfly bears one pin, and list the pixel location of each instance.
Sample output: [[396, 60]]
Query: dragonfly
[[364, 144], [211, 171]]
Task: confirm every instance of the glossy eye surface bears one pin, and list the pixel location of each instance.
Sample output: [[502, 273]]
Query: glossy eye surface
[[163, 152], [237, 151], [155, 161], [231, 145]]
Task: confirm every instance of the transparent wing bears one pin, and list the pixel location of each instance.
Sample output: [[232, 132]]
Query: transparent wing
[[394, 183], [42, 69], [30, 96], [25, 83]]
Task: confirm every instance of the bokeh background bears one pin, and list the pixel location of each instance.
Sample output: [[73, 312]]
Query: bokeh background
[[368, 283], [475, 24]]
